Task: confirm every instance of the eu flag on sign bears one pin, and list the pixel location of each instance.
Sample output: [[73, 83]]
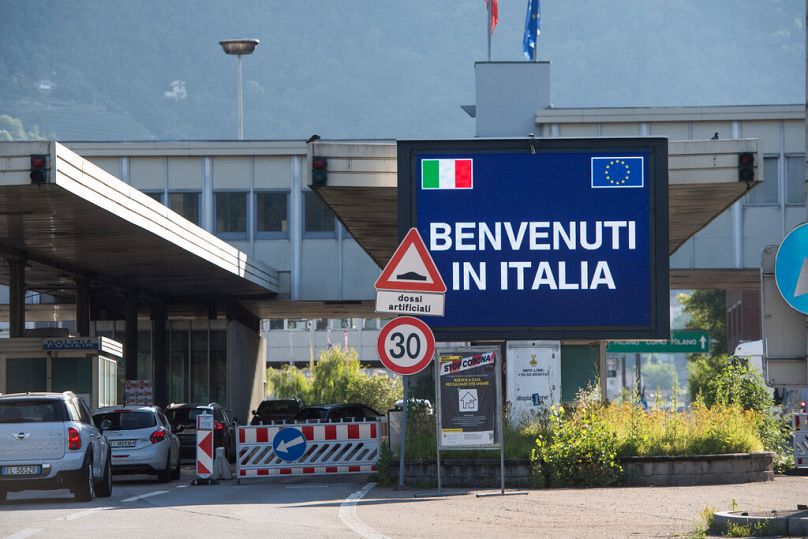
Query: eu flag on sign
[[532, 29], [617, 172]]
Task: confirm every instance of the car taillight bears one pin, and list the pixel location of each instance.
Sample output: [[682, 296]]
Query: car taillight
[[157, 436], [217, 425], [73, 438]]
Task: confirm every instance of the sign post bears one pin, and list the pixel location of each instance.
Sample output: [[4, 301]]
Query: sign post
[[468, 388], [410, 283]]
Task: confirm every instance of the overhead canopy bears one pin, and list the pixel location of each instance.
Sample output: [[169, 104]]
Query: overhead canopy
[[703, 182], [84, 223]]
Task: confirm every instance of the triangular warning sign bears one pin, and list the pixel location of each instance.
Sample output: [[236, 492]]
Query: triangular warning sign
[[411, 268]]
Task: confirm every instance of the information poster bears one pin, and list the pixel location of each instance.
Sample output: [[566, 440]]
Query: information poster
[[468, 399], [139, 392]]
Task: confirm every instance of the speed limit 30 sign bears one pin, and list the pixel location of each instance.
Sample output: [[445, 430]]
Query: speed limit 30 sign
[[406, 345]]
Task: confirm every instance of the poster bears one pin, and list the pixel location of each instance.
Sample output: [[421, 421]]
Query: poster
[[468, 398], [139, 392]]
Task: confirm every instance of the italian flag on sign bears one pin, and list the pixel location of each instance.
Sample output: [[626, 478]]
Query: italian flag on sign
[[446, 174]]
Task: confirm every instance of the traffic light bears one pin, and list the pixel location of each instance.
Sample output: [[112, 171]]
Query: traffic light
[[39, 169], [319, 172], [746, 167]]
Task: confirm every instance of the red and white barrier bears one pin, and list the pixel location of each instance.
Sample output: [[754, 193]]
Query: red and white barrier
[[331, 448], [799, 423], [204, 446]]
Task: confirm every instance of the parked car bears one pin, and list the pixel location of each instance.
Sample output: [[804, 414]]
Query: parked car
[[224, 432], [276, 410], [142, 441], [417, 404], [49, 441], [337, 412]]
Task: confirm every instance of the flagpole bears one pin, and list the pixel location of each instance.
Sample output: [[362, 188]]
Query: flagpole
[[488, 27]]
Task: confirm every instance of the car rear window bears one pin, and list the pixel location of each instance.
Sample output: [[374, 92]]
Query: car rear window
[[32, 411], [185, 416], [278, 407], [312, 413], [126, 420]]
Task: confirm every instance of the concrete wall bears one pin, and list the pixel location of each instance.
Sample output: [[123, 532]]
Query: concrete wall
[[245, 369]]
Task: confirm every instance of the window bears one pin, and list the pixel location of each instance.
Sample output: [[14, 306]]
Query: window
[[765, 193], [156, 195], [369, 323], [276, 323], [297, 323], [231, 213], [343, 323], [272, 214], [321, 324], [318, 220], [795, 179], [186, 204]]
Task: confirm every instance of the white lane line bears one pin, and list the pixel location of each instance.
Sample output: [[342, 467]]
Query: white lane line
[[306, 486], [147, 495], [74, 516], [22, 534], [347, 514], [182, 486]]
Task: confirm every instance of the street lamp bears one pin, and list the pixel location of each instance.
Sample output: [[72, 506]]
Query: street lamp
[[239, 47]]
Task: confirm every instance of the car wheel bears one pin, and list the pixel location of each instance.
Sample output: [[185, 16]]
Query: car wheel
[[175, 473], [164, 476], [104, 489], [84, 491]]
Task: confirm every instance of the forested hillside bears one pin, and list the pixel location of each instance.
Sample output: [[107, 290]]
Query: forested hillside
[[103, 70]]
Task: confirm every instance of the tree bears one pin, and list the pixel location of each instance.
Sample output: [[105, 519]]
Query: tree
[[12, 129], [336, 377], [707, 310]]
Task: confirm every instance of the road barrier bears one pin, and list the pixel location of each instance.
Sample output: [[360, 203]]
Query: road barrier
[[799, 422], [308, 449]]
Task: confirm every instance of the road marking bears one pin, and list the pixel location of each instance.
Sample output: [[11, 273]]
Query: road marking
[[147, 495], [306, 486], [347, 514], [183, 486], [22, 534], [74, 516]]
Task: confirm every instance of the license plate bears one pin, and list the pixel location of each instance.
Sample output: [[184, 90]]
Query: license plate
[[122, 443], [31, 469]]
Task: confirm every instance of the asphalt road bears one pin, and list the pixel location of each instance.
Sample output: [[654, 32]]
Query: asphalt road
[[349, 506]]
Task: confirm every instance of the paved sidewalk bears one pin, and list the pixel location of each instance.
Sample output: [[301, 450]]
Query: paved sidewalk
[[595, 512]]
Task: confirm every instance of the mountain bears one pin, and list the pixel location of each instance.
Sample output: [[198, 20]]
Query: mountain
[[122, 70]]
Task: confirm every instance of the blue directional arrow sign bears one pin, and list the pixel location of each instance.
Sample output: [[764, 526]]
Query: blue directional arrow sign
[[289, 444], [791, 268]]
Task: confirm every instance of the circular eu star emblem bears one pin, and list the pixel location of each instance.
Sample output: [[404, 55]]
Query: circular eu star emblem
[[617, 172]]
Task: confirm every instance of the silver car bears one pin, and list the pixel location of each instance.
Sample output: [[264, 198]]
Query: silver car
[[142, 441], [49, 441]]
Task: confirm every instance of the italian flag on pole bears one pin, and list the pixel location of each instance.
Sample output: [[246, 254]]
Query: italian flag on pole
[[447, 174]]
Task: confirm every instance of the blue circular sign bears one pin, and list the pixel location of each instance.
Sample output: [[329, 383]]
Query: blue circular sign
[[791, 268], [289, 444]]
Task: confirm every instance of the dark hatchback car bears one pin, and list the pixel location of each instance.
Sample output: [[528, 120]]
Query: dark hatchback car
[[224, 431], [337, 412], [276, 410]]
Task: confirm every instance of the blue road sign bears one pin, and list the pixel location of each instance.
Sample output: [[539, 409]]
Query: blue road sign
[[552, 237], [289, 444], [791, 268]]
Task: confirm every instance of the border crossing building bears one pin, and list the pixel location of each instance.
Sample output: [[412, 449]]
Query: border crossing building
[[225, 255]]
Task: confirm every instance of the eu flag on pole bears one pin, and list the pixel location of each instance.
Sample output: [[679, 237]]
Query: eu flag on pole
[[532, 29], [617, 172]]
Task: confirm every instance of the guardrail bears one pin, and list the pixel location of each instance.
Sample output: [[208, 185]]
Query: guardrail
[[308, 449]]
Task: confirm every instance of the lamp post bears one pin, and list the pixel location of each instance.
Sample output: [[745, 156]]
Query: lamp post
[[239, 47]]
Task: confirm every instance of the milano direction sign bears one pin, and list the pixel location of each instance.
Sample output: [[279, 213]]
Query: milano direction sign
[[684, 341], [556, 238]]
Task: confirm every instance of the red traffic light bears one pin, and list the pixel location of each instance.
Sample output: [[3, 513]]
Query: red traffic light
[[39, 168], [746, 166], [319, 163]]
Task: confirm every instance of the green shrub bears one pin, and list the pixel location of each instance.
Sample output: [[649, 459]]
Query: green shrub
[[740, 385], [577, 448]]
